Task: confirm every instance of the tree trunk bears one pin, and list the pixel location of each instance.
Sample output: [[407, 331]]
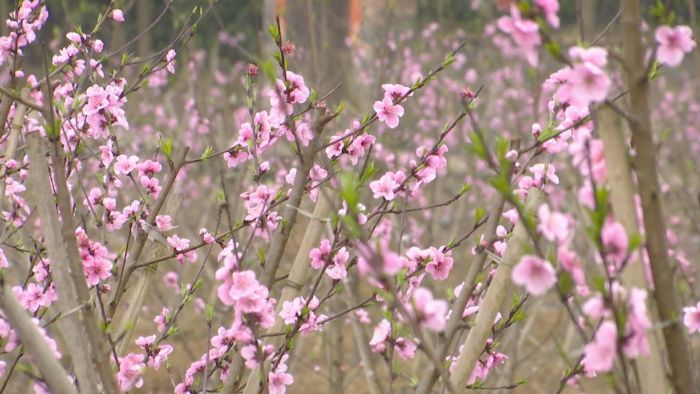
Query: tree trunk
[[51, 370], [588, 13], [144, 14], [692, 11], [4, 11], [270, 10], [652, 377], [681, 363], [495, 294], [431, 374]]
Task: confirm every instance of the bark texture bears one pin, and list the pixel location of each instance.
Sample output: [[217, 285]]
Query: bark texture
[[652, 376], [489, 307], [682, 370]]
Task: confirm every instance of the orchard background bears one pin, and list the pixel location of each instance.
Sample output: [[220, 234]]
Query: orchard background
[[349, 196]]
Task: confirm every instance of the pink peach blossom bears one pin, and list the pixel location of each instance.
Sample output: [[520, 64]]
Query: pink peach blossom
[[118, 15], [388, 112], [599, 355], [674, 43], [535, 274], [691, 318]]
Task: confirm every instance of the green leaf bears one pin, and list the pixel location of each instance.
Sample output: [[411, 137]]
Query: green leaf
[[548, 133], [524, 7], [479, 278], [207, 152], [502, 146], [599, 283], [657, 10], [172, 331], [665, 134], [479, 213], [449, 59], [478, 384], [565, 282], [501, 183], [635, 242], [209, 312], [599, 214], [654, 71], [352, 226], [370, 170], [365, 119], [514, 301], [274, 32], [450, 294], [53, 130], [519, 315], [349, 189], [268, 68], [105, 326], [554, 49], [401, 277], [166, 146], [478, 146]]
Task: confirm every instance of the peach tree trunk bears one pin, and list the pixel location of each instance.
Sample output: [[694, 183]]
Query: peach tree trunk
[[681, 363]]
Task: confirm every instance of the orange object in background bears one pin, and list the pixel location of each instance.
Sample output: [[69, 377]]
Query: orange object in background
[[503, 4], [354, 16], [280, 10]]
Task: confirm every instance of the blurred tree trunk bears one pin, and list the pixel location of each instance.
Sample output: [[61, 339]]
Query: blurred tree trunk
[[588, 12], [144, 15], [652, 373], [270, 10], [4, 10], [651, 367], [118, 36], [319, 29], [639, 120], [692, 11]]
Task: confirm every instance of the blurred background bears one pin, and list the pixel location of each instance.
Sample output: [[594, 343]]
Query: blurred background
[[235, 30]]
